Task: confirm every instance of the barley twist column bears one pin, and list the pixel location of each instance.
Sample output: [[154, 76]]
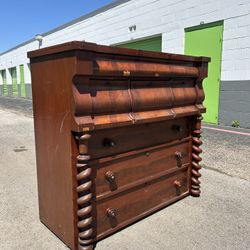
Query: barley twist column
[[84, 213], [196, 151]]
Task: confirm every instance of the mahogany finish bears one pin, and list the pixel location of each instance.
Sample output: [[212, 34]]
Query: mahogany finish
[[118, 140], [115, 172], [117, 136], [130, 204]]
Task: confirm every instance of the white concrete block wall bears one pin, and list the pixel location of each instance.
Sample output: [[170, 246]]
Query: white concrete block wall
[[27, 73], [14, 59], [153, 17], [18, 74], [1, 80], [8, 77]]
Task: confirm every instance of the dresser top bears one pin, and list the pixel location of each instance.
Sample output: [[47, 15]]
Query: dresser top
[[93, 47]]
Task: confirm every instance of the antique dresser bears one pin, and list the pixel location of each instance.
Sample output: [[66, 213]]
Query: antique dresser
[[117, 136]]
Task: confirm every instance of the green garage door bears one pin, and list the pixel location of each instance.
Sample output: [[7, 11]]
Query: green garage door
[[151, 44], [14, 81], [4, 80], [22, 83], [206, 40]]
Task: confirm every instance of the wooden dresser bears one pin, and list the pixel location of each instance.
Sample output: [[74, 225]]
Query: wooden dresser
[[117, 136]]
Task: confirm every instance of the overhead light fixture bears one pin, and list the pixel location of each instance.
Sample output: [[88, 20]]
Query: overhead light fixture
[[39, 37]]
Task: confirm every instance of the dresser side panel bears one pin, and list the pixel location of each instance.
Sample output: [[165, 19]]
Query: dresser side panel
[[55, 149]]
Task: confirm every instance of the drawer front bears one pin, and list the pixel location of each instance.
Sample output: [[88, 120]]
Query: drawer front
[[118, 140], [127, 207], [123, 170]]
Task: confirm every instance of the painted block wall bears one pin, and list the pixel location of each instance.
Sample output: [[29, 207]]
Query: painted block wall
[[235, 103], [154, 17]]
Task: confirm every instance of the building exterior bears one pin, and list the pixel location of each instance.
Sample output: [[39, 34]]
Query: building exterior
[[219, 29]]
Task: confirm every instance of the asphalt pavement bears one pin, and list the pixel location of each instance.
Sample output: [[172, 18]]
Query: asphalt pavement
[[16, 105], [219, 219]]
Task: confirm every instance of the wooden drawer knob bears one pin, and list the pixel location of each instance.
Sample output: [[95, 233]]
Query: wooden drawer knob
[[111, 213], [177, 184], [177, 128], [179, 157], [110, 176], [109, 143]]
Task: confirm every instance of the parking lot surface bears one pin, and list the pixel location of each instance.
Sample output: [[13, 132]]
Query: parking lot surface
[[219, 219]]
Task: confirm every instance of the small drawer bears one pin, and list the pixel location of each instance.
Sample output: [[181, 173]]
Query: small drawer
[[125, 208], [116, 172], [114, 141]]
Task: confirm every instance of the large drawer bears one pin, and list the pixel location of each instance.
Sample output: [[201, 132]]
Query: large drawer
[[122, 171], [125, 208], [113, 141]]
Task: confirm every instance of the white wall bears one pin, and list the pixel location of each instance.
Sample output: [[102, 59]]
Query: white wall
[[1, 79], [152, 17], [15, 58]]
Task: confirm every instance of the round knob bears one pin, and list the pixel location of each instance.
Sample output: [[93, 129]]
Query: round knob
[[111, 212], [110, 176], [177, 128], [178, 155], [177, 184], [108, 143]]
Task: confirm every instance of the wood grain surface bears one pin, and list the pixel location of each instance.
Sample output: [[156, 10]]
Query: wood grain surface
[[117, 172], [133, 203], [117, 136]]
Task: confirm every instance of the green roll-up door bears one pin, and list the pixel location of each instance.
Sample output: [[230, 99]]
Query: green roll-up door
[[3, 74], [22, 82], [206, 40], [150, 44], [14, 81]]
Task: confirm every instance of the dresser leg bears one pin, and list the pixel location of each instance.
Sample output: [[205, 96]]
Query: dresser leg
[[90, 247], [196, 151], [84, 213]]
